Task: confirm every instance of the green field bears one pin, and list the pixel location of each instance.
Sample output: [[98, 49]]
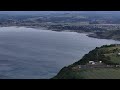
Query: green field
[[106, 73], [107, 54], [112, 52], [101, 73], [114, 58]]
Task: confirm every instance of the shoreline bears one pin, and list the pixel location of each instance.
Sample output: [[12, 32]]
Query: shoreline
[[88, 34], [93, 35], [38, 28]]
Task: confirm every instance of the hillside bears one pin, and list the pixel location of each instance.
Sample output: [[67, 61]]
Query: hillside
[[112, 34], [105, 65]]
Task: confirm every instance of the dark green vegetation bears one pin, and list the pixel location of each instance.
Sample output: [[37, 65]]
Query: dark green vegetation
[[108, 54], [101, 73]]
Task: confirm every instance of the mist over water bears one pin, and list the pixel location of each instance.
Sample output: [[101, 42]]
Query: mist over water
[[34, 53]]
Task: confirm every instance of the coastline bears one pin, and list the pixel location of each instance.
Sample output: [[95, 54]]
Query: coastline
[[88, 34], [93, 35]]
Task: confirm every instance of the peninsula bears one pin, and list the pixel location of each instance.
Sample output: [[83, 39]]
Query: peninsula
[[101, 63]]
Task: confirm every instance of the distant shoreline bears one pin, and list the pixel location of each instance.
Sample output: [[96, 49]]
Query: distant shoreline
[[88, 34]]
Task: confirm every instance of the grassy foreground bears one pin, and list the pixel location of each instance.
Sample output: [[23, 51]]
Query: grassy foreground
[[108, 54]]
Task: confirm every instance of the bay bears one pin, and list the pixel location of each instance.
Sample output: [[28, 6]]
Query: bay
[[27, 53]]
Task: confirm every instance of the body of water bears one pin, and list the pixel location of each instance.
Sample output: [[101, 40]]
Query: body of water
[[27, 53]]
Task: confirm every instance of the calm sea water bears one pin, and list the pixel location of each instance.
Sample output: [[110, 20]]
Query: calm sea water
[[33, 53]]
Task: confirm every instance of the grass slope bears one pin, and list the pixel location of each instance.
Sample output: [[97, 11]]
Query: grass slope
[[104, 73], [106, 53]]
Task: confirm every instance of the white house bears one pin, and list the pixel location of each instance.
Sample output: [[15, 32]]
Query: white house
[[119, 54], [100, 61], [117, 65], [91, 62]]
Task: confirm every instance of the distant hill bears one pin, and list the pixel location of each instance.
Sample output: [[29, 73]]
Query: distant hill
[[112, 34], [106, 65]]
